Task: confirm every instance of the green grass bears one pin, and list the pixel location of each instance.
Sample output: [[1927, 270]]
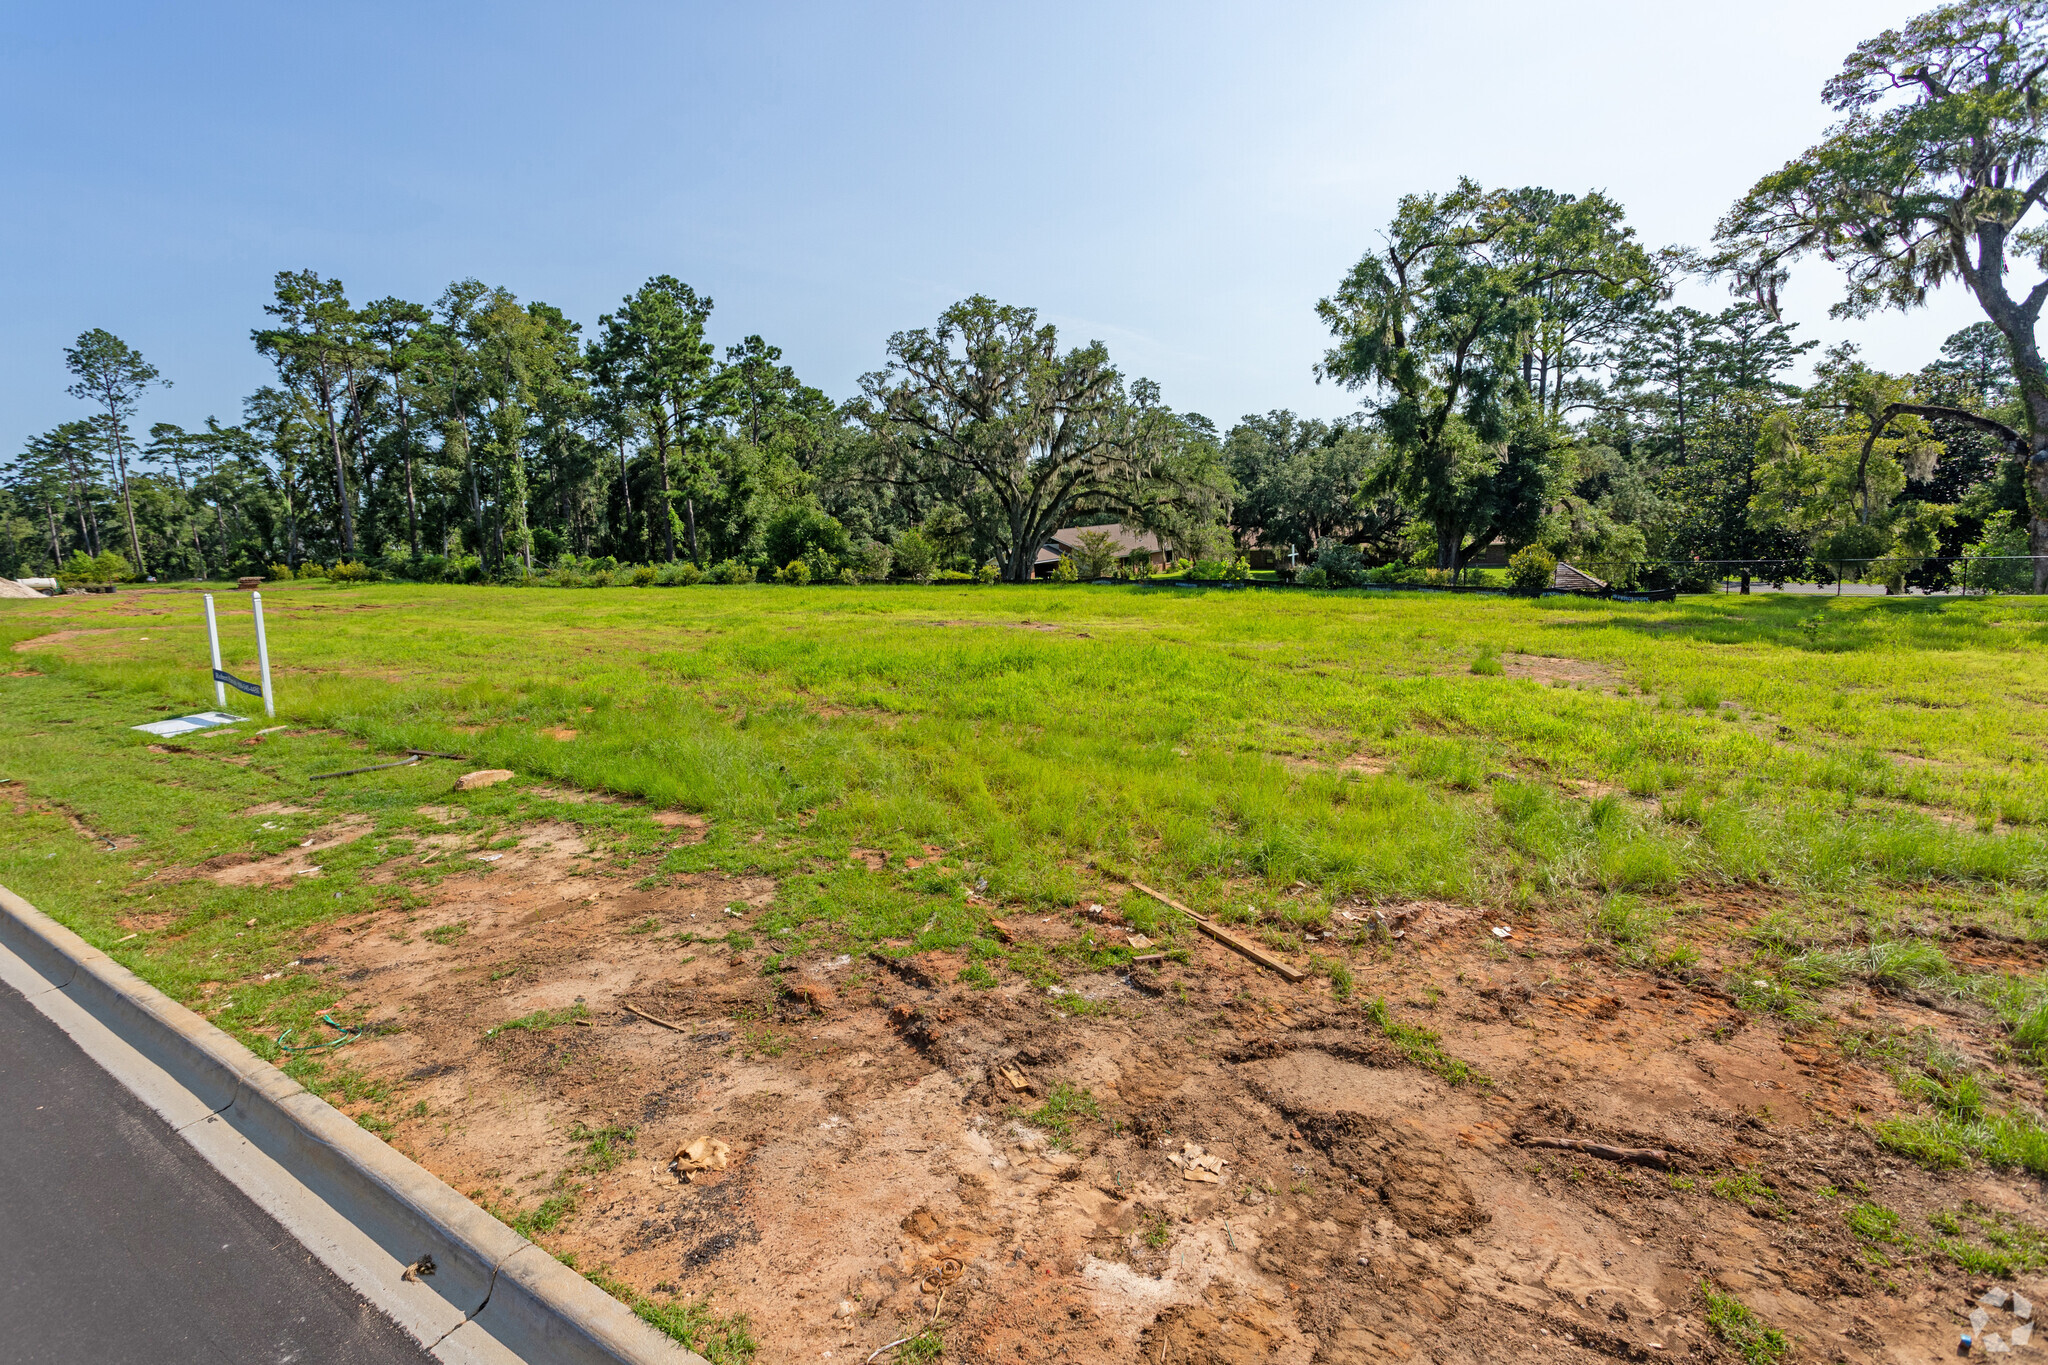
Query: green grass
[[603, 1148], [1032, 748], [540, 1020], [1736, 1323], [1063, 1105], [723, 1340], [1421, 1046], [1874, 1223], [1745, 1188]]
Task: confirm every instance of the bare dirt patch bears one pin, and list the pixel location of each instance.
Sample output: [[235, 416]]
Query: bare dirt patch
[[576, 796], [694, 827], [303, 861], [1553, 671], [58, 637], [886, 1169], [276, 808]]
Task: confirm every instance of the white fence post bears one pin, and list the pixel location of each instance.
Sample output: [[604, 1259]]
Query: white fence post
[[220, 691], [262, 655]]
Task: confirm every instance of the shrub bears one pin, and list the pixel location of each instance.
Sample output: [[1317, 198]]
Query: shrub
[[1996, 560], [796, 573], [278, 573], [1343, 564], [916, 556], [1064, 571], [823, 567], [643, 576], [1209, 570], [804, 531], [681, 574], [987, 573], [729, 571], [869, 561], [1094, 554], [1313, 578], [1531, 569], [105, 567], [312, 569], [350, 571]]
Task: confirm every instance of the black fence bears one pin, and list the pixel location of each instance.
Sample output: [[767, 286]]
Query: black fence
[[1953, 575], [1945, 575]]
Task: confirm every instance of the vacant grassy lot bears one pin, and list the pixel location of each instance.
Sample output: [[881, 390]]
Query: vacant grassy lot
[[1261, 755], [1779, 798]]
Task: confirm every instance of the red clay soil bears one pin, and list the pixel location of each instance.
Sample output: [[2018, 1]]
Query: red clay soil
[[885, 1174]]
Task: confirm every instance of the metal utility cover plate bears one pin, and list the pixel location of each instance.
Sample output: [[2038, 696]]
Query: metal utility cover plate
[[185, 725]]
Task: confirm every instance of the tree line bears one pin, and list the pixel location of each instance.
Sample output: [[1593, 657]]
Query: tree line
[[1525, 378]]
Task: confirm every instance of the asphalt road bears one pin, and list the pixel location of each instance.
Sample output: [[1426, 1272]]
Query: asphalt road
[[119, 1243]]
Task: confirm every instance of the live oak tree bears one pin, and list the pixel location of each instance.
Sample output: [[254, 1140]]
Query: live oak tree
[[1936, 172], [113, 375], [1439, 324], [986, 413], [1300, 480]]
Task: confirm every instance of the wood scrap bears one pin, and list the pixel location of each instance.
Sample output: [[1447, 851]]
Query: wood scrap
[[1153, 958], [1013, 1077], [1634, 1156], [653, 1018], [1001, 931], [1228, 939]]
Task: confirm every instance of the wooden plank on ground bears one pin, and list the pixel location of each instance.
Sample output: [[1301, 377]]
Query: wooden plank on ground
[[1228, 939]]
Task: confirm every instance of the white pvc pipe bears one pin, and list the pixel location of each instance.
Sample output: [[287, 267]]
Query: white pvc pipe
[[220, 691], [263, 656]]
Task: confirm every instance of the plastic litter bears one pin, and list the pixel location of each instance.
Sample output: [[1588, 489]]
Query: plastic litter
[[2022, 1334], [1993, 1298], [1501, 931], [1979, 1319], [1994, 1345], [2022, 1307], [348, 1036]]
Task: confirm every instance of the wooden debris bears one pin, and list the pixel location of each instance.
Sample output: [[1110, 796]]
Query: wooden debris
[[469, 782], [1228, 939], [1013, 1077], [1634, 1156], [1001, 931], [1148, 957], [653, 1018]]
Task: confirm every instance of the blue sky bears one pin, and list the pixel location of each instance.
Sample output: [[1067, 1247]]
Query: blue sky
[[1181, 181]]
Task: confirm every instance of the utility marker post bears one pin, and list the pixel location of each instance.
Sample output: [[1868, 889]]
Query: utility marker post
[[220, 691], [262, 653]]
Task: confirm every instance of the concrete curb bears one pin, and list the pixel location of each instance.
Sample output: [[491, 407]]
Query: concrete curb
[[523, 1298]]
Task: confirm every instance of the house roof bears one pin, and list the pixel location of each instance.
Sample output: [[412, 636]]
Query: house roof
[[1123, 537], [1568, 579]]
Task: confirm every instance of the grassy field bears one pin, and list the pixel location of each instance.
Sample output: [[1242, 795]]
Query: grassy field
[[1228, 745]]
